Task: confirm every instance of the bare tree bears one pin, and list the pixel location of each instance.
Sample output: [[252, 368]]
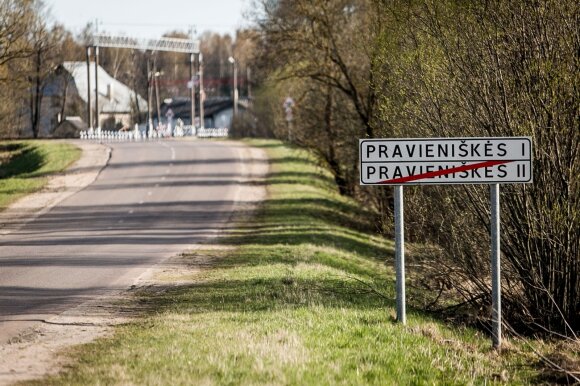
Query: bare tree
[[15, 17], [46, 48], [496, 69], [328, 47]]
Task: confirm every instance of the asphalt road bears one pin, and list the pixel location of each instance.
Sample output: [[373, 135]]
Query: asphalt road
[[152, 201]]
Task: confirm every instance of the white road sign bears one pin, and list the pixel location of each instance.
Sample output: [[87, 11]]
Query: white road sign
[[445, 161]]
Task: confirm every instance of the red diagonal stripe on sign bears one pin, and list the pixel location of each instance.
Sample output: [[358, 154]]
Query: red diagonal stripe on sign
[[479, 165]]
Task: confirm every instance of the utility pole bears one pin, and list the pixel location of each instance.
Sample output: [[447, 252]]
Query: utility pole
[[98, 124], [192, 80], [149, 88], [89, 107], [154, 75], [201, 93], [156, 80], [249, 82], [97, 115]]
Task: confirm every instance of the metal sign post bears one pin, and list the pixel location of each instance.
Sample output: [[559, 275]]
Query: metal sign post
[[495, 267], [443, 161], [400, 253]]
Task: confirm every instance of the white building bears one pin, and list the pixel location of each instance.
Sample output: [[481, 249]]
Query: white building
[[65, 95]]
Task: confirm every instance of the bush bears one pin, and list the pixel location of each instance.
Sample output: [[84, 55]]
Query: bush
[[496, 69]]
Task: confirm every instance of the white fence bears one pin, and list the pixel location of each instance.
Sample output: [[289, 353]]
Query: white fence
[[141, 133], [212, 133]]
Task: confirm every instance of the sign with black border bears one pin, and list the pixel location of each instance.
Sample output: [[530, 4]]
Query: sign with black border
[[439, 161]]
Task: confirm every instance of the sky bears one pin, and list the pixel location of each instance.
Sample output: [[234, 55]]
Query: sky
[[150, 18]]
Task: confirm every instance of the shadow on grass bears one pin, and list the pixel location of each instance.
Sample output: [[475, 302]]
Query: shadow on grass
[[260, 254], [269, 145], [262, 294], [27, 160], [10, 147], [214, 161], [304, 211], [300, 177], [311, 236]]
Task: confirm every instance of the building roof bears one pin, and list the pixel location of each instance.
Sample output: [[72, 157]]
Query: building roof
[[76, 122], [114, 96], [69, 128]]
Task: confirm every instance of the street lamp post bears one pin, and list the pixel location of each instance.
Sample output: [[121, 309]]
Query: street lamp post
[[149, 97], [233, 61], [89, 105], [201, 93], [156, 76], [192, 91]]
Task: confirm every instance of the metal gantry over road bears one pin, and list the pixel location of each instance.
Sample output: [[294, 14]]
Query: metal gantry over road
[[440, 161], [189, 46]]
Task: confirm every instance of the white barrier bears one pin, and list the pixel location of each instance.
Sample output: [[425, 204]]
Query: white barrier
[[112, 136], [140, 134], [213, 133]]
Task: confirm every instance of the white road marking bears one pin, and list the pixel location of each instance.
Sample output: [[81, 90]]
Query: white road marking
[[149, 193], [170, 148], [141, 202], [131, 211]]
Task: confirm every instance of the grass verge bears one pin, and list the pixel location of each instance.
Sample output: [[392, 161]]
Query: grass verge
[[299, 294], [25, 166]]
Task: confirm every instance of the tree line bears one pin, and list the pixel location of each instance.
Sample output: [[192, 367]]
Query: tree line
[[431, 68], [29, 50]]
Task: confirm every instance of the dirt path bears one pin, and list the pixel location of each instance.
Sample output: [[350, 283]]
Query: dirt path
[[40, 351]]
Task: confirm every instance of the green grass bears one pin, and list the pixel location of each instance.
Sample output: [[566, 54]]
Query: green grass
[[301, 294], [25, 165]]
